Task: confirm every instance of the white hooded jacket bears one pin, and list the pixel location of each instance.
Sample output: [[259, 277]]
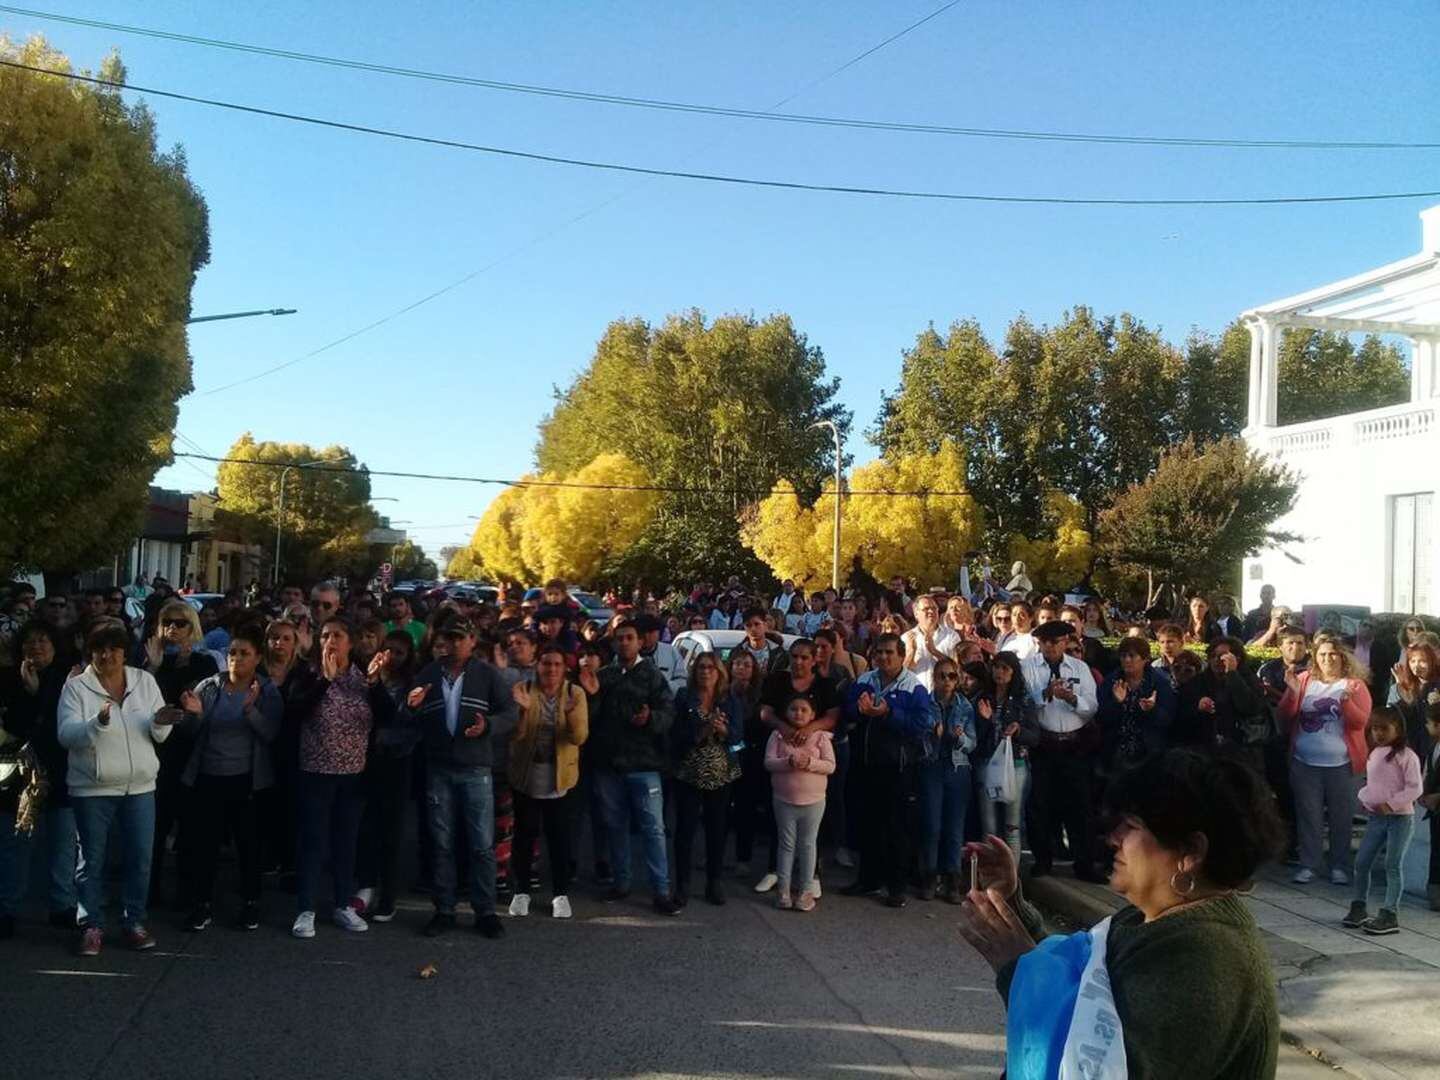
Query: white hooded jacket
[[119, 757]]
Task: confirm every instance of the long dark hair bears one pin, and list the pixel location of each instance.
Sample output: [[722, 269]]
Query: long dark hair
[[1387, 715], [1017, 688]]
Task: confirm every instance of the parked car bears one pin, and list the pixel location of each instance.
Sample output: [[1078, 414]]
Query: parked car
[[691, 643], [592, 608]]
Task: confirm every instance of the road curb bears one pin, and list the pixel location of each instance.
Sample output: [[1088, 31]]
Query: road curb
[[1087, 904]]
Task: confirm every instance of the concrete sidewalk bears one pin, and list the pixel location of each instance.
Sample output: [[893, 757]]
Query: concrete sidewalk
[[1363, 1004]]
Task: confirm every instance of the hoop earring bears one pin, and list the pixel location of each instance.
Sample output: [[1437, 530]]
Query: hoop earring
[[1189, 884]]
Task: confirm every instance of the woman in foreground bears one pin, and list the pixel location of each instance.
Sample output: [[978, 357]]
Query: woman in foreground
[[1190, 993]]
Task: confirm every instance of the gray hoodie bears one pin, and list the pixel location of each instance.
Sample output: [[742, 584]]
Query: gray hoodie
[[119, 757]]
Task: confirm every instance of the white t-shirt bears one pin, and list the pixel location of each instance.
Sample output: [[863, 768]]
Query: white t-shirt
[[1023, 646], [946, 641], [1321, 738]]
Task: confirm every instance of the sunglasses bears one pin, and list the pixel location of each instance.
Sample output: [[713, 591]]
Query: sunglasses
[[948, 676], [175, 623]]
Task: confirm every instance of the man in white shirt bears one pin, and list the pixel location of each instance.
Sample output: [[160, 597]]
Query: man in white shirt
[[1062, 766], [782, 600], [928, 642]]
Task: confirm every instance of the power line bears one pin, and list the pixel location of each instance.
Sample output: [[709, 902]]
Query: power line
[[674, 489], [697, 108], [722, 178]]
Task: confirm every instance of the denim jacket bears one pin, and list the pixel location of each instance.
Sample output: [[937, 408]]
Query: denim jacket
[[957, 720]]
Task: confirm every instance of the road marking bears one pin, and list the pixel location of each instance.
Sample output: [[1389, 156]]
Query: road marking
[[91, 974]]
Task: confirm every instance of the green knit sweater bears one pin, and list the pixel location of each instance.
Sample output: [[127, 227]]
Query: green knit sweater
[[1194, 992]]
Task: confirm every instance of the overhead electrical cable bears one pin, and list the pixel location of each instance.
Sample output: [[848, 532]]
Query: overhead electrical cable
[[722, 178], [698, 108]]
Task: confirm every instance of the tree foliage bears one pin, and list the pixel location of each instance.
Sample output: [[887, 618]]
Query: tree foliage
[[911, 515], [101, 235], [1065, 554], [543, 530], [1203, 509], [721, 409], [327, 510], [1322, 374], [410, 562]]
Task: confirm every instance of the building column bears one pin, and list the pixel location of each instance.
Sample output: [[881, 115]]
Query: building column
[[1269, 372], [1423, 383], [1252, 400]]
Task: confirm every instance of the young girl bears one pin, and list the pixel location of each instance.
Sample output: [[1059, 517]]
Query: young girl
[[1392, 784], [797, 774]]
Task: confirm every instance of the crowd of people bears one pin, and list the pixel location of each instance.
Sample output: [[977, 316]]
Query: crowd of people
[[885, 727]]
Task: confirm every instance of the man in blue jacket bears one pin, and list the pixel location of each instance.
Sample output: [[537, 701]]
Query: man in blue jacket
[[891, 711], [464, 710]]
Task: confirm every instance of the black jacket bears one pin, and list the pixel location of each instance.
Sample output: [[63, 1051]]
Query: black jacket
[[32, 719], [482, 690], [616, 742]]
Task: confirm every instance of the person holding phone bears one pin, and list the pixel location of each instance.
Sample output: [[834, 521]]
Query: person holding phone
[[111, 719], [232, 719]]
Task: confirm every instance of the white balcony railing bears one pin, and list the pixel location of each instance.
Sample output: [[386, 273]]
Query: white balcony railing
[[1393, 423]]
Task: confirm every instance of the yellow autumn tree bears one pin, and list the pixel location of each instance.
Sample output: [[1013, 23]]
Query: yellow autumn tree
[[1057, 561], [909, 515], [496, 541]]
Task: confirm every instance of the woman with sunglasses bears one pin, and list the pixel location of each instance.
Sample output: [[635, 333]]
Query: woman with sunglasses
[[944, 781], [172, 654]]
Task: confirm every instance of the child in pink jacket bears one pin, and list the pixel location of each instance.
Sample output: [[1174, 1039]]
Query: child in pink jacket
[[798, 772], [1392, 784]]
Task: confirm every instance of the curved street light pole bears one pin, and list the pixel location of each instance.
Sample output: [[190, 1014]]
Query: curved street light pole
[[280, 515], [835, 558]]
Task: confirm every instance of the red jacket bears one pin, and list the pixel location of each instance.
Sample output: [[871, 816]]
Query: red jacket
[[1356, 712]]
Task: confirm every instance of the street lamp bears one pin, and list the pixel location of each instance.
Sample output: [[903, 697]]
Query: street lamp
[[241, 314], [280, 513], [835, 560]]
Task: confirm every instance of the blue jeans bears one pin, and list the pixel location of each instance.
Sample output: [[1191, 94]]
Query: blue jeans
[[637, 796], [57, 837], [1394, 832], [134, 815], [474, 790], [944, 798], [1004, 819]]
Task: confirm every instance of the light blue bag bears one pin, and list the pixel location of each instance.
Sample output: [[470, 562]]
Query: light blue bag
[[1062, 1023]]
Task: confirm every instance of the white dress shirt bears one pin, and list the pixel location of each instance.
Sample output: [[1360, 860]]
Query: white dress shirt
[[1058, 715]]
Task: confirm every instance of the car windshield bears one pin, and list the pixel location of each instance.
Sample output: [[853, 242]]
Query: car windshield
[[585, 599]]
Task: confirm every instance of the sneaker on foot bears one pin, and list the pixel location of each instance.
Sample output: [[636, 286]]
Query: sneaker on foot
[[844, 858], [1356, 917], [347, 918], [805, 903], [1339, 877], [384, 911], [440, 922], [1303, 876], [199, 918], [815, 888], [1382, 922], [249, 917], [520, 905], [560, 908], [490, 926], [766, 883], [139, 939], [304, 925], [783, 902], [90, 940], [666, 906]]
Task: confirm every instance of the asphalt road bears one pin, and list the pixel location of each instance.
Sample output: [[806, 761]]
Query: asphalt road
[[740, 991]]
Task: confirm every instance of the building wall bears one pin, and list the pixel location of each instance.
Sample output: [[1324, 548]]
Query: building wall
[[1352, 468]]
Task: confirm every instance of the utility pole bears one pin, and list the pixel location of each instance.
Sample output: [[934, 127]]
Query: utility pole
[[835, 558], [280, 516]]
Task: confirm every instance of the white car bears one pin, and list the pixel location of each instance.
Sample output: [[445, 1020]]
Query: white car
[[691, 643]]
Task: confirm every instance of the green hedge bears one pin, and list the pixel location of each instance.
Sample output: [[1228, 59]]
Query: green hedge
[[1256, 655]]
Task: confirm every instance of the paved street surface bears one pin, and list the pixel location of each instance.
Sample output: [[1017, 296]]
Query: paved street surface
[[744, 990], [1362, 1003]]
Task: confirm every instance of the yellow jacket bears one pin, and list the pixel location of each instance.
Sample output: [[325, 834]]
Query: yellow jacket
[[572, 728]]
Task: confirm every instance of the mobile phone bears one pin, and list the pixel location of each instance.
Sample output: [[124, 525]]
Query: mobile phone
[[974, 871]]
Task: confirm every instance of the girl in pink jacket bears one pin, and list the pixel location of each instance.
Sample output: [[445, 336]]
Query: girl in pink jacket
[[798, 775], [1392, 784]]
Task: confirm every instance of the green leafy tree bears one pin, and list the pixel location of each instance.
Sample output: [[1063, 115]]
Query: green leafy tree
[[327, 509], [1215, 383], [101, 235], [1203, 509], [722, 409], [411, 562], [1323, 374]]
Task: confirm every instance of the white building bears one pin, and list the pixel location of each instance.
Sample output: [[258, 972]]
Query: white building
[[1366, 506]]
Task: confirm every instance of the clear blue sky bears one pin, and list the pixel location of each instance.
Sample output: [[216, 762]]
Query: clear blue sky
[[347, 228]]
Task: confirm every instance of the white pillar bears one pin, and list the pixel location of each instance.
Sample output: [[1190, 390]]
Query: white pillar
[[1252, 401], [1269, 372], [1423, 356]]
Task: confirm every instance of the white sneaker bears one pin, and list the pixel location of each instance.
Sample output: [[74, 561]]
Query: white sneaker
[[844, 858], [1339, 877], [560, 907], [304, 926], [347, 919], [1303, 876], [520, 905], [766, 883], [814, 889]]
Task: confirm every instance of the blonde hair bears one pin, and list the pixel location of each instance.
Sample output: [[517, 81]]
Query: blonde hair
[[180, 607]]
